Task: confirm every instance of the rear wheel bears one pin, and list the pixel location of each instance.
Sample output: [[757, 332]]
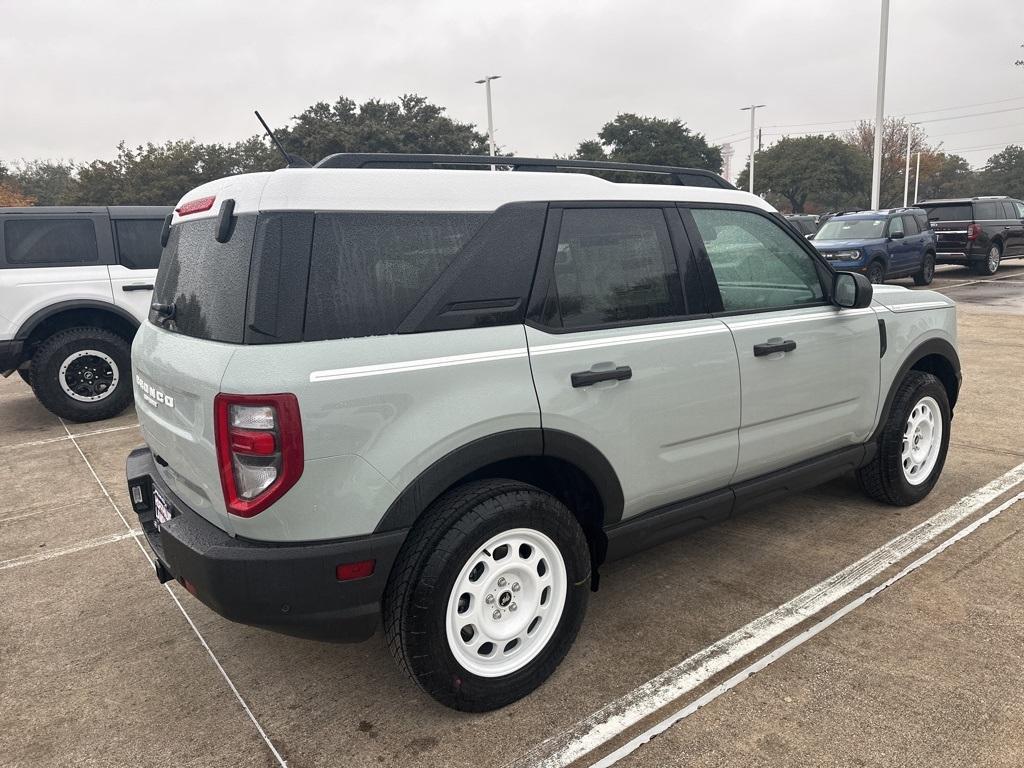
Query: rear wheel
[[991, 263], [927, 273], [912, 446], [488, 594], [876, 272], [83, 374]]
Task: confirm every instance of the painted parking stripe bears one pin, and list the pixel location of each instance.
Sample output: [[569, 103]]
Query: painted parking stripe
[[637, 742], [49, 554], [68, 436], [614, 718], [202, 640]]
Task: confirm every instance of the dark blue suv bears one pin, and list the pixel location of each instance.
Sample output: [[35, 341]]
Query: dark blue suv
[[880, 244]]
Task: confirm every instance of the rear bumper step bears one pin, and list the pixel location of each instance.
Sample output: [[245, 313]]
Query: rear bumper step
[[290, 588]]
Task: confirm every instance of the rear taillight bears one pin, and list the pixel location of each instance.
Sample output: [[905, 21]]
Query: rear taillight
[[973, 231], [259, 449], [198, 205]]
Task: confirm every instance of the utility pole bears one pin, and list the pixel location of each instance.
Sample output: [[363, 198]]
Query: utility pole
[[753, 111], [906, 170], [759, 144], [876, 160], [486, 82], [917, 177]]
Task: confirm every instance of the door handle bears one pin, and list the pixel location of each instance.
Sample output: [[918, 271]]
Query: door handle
[[137, 287], [586, 378], [771, 347]]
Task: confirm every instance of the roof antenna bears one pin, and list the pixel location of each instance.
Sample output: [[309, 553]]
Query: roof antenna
[[291, 161]]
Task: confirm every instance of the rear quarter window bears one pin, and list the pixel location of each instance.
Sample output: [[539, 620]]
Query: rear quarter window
[[368, 270], [31, 242], [138, 242], [988, 211]]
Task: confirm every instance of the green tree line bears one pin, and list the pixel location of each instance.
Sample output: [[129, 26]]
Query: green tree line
[[808, 173]]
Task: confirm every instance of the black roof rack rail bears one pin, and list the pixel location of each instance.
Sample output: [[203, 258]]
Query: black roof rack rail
[[688, 177]]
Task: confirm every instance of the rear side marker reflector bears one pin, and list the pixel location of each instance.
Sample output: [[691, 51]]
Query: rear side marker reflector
[[196, 206], [353, 571]]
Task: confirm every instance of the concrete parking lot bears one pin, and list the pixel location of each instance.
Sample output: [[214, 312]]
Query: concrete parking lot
[[101, 665]]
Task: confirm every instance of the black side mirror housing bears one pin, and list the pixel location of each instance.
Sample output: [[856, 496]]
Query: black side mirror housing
[[851, 290], [896, 236]]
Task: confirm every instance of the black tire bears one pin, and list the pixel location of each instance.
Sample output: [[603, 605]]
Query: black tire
[[927, 273], [431, 560], [47, 375], [884, 478], [990, 264], [26, 375], [876, 272]]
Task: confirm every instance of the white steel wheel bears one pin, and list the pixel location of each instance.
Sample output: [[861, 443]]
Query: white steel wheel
[[922, 440], [506, 602]]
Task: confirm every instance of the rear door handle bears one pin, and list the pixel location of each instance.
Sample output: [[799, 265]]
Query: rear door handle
[[137, 287], [771, 347], [586, 378]]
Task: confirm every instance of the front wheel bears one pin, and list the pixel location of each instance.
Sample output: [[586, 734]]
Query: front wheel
[[913, 444], [876, 273], [991, 263], [927, 273], [83, 374], [487, 594]]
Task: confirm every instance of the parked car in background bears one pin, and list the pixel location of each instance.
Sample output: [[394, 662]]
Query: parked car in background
[[442, 398], [805, 223], [75, 283], [880, 244], [978, 231]]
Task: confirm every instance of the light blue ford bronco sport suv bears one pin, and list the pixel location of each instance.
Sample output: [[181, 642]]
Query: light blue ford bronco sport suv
[[394, 390]]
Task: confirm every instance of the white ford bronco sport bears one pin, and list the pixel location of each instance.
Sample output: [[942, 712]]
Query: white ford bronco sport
[[444, 397], [75, 283]]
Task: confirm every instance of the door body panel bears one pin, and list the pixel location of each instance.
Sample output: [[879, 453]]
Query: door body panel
[[670, 430], [819, 397], [132, 289]]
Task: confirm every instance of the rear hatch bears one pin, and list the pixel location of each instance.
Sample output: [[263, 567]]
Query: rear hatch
[[178, 362], [950, 222]]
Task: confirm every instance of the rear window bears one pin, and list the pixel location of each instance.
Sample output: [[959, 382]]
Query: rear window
[[39, 242], [368, 270], [953, 212], [138, 242], [206, 281]]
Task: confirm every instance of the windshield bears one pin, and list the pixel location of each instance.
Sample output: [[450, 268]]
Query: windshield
[[851, 229]]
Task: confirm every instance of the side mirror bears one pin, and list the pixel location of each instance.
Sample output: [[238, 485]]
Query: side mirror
[[896, 236], [851, 290]]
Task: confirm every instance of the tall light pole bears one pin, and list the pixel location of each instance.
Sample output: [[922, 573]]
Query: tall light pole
[[753, 111], [486, 82], [906, 170], [876, 160], [917, 177]]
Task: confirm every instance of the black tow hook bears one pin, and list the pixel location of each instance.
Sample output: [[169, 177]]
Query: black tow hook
[[162, 574]]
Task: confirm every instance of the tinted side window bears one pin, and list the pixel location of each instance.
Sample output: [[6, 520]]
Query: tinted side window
[[756, 263], [922, 221], [910, 225], [614, 265], [37, 241], [368, 270], [138, 242], [1008, 211], [1020, 209], [987, 211], [896, 225]]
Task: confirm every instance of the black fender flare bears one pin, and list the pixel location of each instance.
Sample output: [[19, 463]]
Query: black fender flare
[[40, 316], [939, 347], [510, 444]]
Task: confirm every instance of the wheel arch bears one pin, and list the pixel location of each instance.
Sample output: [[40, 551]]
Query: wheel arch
[[935, 356], [563, 464], [75, 313]]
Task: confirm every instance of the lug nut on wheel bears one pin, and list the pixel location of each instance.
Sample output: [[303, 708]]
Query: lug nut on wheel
[[489, 599], [502, 582], [512, 606], [515, 586], [496, 615]]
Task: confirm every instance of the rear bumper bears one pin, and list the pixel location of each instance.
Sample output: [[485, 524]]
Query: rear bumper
[[957, 257], [290, 588], [10, 355]]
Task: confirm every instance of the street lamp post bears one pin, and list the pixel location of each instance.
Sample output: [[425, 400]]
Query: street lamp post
[[876, 160], [753, 110], [486, 82], [917, 177], [906, 170]]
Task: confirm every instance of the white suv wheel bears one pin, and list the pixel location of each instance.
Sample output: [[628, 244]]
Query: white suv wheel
[[88, 375], [506, 602], [922, 440]]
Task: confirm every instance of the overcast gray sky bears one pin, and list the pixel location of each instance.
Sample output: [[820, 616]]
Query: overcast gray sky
[[80, 76]]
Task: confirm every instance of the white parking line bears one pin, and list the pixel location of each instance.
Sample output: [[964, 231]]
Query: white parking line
[[61, 551], [637, 742], [614, 718], [68, 436], [177, 602]]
